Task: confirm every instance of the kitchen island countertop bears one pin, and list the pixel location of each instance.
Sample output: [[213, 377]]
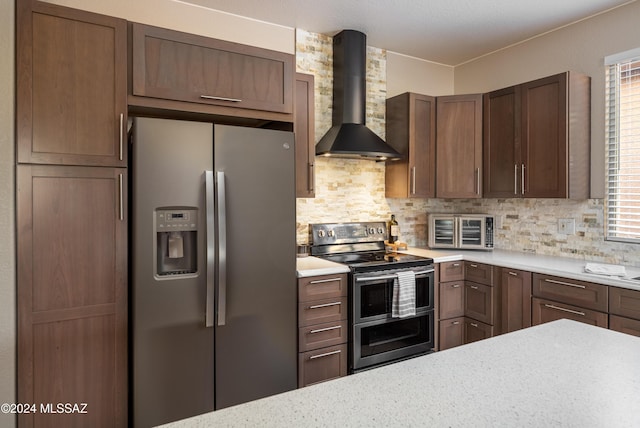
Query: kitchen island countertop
[[562, 373]]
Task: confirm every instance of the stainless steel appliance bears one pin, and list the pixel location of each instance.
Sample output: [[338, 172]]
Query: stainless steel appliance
[[213, 315], [375, 337], [467, 231]]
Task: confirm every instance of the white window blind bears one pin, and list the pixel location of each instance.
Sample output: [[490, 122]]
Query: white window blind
[[623, 148]]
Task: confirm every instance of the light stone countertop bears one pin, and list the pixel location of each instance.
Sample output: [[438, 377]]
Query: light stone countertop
[[560, 374], [314, 266], [558, 266]]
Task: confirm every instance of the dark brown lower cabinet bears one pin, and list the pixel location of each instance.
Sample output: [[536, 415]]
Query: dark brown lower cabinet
[[548, 310], [516, 299], [451, 333], [322, 328], [476, 330], [624, 325], [72, 293], [322, 364], [478, 302]]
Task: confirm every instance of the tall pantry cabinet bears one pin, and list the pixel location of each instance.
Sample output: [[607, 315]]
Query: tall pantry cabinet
[[71, 214]]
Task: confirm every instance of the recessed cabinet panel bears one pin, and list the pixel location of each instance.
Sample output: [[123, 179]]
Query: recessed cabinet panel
[[71, 86], [451, 333], [411, 130], [459, 146], [478, 302], [304, 128], [185, 67], [547, 310]]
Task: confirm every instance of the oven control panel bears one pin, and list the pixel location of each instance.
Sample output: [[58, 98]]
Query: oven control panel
[[347, 233]]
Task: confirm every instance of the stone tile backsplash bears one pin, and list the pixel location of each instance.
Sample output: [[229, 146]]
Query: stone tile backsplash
[[353, 190]]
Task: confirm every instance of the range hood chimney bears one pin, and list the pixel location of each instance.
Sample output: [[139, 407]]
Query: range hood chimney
[[349, 137]]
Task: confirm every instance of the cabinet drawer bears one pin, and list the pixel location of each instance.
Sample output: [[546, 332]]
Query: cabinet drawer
[[573, 292], [322, 287], [478, 302], [624, 302], [179, 66], [478, 272], [322, 364], [322, 335], [451, 333], [451, 302], [451, 271], [476, 330], [624, 325], [322, 311], [547, 310]]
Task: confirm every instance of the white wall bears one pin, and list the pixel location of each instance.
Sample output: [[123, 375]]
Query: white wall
[[409, 74], [189, 18], [7, 209], [579, 47]]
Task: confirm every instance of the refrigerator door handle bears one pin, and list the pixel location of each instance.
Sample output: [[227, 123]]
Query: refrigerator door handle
[[211, 256], [222, 248]]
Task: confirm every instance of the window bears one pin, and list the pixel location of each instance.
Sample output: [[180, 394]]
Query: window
[[622, 204]]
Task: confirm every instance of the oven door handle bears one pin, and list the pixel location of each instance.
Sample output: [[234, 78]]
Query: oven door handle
[[392, 276]]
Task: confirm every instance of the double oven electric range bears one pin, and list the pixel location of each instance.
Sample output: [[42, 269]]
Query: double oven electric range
[[375, 337]]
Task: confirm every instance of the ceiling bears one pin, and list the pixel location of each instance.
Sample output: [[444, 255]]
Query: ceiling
[[444, 31]]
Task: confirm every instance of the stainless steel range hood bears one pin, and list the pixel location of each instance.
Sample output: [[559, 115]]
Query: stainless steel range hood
[[349, 137]]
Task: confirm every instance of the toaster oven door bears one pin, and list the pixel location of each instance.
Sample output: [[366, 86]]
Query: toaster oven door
[[443, 232], [472, 232]]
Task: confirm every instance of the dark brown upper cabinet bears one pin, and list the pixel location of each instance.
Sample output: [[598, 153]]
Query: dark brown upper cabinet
[[304, 129], [71, 91], [537, 138], [200, 72], [411, 130], [459, 146]]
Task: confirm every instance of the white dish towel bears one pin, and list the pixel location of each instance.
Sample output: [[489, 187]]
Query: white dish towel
[[602, 269], [404, 295]]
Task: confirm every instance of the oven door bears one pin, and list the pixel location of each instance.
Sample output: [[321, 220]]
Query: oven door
[[373, 294], [385, 341]]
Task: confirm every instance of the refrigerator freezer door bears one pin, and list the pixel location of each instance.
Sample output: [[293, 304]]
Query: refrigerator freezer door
[[256, 346], [172, 350]]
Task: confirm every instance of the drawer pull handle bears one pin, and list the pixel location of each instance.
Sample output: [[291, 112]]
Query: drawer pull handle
[[456, 286], [326, 354], [473, 265], [456, 265], [455, 323], [474, 287], [513, 274], [320, 330], [565, 310], [211, 97], [473, 324], [568, 284], [326, 305], [322, 281]]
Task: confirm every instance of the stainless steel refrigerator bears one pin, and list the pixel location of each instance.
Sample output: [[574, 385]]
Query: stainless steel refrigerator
[[213, 287]]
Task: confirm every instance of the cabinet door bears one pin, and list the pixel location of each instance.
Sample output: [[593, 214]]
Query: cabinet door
[[516, 299], [478, 272], [459, 146], [624, 325], [72, 293], [478, 302], [501, 113], [452, 271], [544, 137], [411, 130], [547, 310], [322, 364], [475, 330], [451, 333], [573, 292], [304, 128], [624, 302], [71, 86], [451, 299], [185, 67]]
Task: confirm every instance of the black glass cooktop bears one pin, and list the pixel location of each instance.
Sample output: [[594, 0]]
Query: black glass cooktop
[[360, 261]]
